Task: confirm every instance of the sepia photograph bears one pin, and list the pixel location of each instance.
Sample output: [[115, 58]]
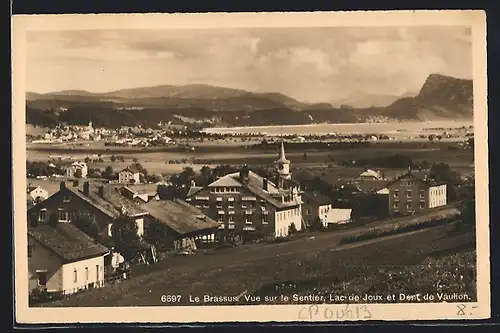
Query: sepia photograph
[[250, 167]]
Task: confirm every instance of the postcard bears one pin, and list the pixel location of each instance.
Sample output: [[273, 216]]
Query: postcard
[[250, 167]]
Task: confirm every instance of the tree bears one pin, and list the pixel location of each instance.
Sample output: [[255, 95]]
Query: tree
[[124, 236], [442, 172], [468, 215], [157, 177], [108, 172], [291, 229], [185, 177], [432, 137], [317, 225], [113, 158], [156, 233], [206, 175]]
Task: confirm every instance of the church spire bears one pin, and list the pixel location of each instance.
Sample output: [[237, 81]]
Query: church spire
[[282, 164], [282, 157]]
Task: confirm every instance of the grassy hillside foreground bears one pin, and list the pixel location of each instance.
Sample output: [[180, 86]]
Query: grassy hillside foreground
[[318, 265]]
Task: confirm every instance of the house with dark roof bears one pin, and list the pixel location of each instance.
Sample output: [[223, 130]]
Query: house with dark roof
[[37, 193], [415, 191], [130, 175], [62, 258], [183, 225], [244, 202]]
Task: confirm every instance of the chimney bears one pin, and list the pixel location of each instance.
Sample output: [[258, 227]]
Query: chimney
[[265, 184], [244, 174], [62, 185], [86, 188]]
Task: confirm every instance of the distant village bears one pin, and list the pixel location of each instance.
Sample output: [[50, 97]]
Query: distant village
[[124, 136], [89, 233]]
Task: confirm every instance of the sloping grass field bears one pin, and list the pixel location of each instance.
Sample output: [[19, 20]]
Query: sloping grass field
[[319, 261]]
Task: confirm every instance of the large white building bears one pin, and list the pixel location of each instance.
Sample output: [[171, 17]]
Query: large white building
[[245, 202]]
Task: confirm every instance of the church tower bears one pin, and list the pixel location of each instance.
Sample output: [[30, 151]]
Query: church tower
[[282, 164]]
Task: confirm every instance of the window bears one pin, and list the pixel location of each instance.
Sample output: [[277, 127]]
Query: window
[[248, 219], [231, 203], [422, 204], [396, 204], [396, 193], [408, 205], [97, 272], [264, 219], [231, 219], [42, 215], [205, 205], [75, 276], [66, 198], [30, 251], [408, 194], [220, 218], [422, 193], [86, 273], [243, 204], [308, 211]]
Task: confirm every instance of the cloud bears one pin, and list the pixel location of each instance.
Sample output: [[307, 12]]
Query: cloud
[[313, 64]]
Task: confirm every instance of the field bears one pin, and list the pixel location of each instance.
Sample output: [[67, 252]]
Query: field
[[156, 160], [249, 268]]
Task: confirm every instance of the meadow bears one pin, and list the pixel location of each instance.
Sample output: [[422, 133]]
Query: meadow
[[319, 260]]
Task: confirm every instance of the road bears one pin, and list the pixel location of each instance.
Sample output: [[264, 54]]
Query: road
[[230, 272]]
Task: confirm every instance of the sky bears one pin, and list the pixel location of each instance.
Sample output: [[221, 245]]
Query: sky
[[309, 64]]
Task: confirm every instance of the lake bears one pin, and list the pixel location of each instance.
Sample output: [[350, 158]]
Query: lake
[[361, 128]]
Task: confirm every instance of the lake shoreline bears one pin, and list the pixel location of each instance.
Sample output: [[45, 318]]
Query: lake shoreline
[[328, 128]]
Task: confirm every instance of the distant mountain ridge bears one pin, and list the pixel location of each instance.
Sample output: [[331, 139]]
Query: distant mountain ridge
[[440, 97]]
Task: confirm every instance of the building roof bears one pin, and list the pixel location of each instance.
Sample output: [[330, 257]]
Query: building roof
[[132, 168], [370, 185], [69, 242], [32, 188], [193, 190], [225, 182], [317, 198], [180, 216], [111, 203], [255, 184], [419, 175]]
